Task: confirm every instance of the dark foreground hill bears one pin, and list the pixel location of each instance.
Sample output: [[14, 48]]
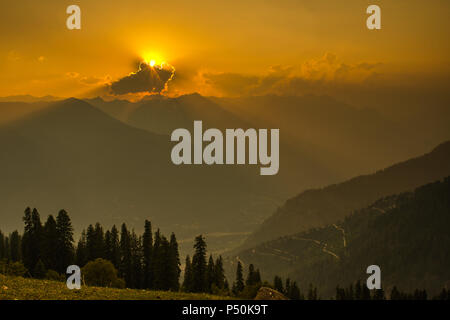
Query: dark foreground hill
[[407, 235], [318, 207]]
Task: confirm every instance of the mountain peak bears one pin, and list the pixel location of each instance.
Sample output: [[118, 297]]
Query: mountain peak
[[192, 97], [72, 101], [71, 113]]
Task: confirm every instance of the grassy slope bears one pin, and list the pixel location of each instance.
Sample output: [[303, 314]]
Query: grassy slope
[[19, 288]]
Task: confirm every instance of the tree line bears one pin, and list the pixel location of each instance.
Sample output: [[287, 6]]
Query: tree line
[[358, 291], [201, 275], [208, 275], [108, 257], [10, 247], [123, 258], [148, 261]]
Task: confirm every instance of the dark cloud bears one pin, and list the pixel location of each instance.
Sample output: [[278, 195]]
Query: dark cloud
[[319, 75], [230, 83], [147, 79]]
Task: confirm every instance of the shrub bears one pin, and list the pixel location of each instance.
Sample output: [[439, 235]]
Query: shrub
[[16, 269], [13, 268], [53, 275], [3, 267], [39, 271], [218, 291], [101, 273], [250, 292], [119, 283]]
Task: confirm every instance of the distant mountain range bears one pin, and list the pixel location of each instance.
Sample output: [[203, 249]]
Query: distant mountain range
[[10, 111], [29, 98], [406, 235], [324, 140], [71, 155]]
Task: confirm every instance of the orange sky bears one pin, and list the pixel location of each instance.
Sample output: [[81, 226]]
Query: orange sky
[[219, 47]]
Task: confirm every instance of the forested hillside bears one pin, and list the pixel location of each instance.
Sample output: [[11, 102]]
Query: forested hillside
[[407, 235], [318, 207]]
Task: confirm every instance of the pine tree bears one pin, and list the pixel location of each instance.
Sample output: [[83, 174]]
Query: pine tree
[[365, 293], [294, 292], [99, 241], [15, 246], [108, 245], [226, 286], [287, 287], [378, 294], [39, 270], [420, 294], [50, 254], [64, 246], [278, 284], [115, 247], [424, 295], [312, 292], [26, 240], [32, 239], [188, 276], [82, 251], [238, 285], [147, 244], [349, 293], [340, 293], [95, 242], [2, 246], [395, 294], [210, 274], [136, 260], [162, 271], [7, 249], [157, 264], [199, 265], [219, 274], [174, 264], [358, 290], [257, 276], [250, 276], [253, 277], [126, 259], [90, 243], [444, 295]]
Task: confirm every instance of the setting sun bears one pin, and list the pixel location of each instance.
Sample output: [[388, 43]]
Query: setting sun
[[152, 58]]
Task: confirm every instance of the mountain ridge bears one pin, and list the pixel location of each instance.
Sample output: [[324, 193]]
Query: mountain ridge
[[331, 203], [73, 156], [404, 234]]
